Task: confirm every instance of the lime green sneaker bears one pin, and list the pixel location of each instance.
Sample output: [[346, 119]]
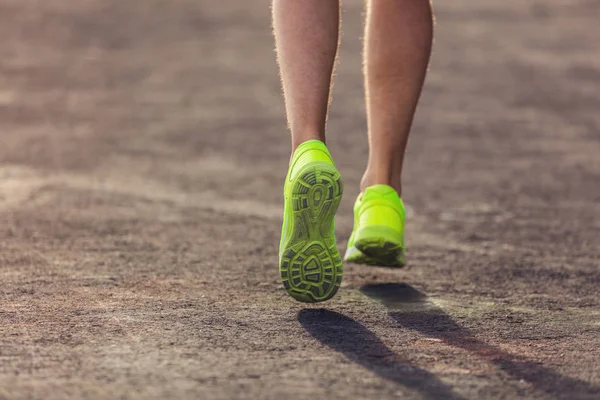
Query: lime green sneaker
[[378, 235], [309, 262]]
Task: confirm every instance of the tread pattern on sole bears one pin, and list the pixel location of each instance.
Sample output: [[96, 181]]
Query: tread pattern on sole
[[378, 251], [311, 266]]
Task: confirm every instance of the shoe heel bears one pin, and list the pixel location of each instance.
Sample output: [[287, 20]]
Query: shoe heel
[[383, 245]]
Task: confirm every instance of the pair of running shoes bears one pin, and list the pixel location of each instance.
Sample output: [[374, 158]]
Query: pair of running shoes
[[309, 262]]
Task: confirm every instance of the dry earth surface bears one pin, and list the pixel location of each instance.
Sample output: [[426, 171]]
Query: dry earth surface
[[142, 154]]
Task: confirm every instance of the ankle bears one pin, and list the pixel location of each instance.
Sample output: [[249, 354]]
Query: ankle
[[299, 138], [371, 179]]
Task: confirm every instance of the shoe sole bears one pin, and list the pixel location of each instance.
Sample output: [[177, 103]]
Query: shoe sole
[[311, 266], [355, 256], [378, 252], [377, 248]]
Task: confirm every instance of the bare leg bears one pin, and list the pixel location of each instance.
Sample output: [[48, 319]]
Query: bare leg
[[398, 41], [306, 36]]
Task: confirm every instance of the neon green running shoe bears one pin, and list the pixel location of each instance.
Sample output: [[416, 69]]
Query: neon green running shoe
[[378, 235], [309, 262]]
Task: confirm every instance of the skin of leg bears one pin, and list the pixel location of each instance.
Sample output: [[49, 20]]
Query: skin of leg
[[306, 36], [397, 48]]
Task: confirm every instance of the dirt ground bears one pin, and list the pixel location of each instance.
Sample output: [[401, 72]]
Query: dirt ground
[[142, 154]]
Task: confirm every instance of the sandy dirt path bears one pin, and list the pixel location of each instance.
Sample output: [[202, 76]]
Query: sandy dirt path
[[142, 152]]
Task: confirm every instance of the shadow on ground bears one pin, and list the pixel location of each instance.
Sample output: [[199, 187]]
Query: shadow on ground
[[360, 345], [412, 310]]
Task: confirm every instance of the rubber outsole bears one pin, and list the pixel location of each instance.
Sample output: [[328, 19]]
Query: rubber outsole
[[377, 245], [378, 251], [311, 266]]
